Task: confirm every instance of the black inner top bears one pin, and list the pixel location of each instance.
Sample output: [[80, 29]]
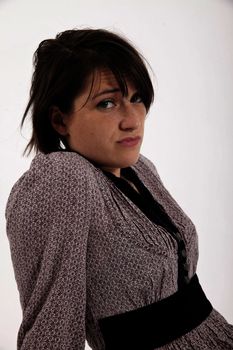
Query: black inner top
[[154, 211]]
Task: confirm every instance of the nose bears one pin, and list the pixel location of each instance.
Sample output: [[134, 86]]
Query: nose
[[130, 117]]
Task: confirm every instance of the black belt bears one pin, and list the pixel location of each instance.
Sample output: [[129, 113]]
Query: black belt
[[159, 323]]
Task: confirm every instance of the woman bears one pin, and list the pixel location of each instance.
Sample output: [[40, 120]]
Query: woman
[[101, 250]]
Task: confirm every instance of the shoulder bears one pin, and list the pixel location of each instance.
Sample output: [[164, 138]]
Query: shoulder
[[60, 162], [52, 175], [145, 164], [62, 167]]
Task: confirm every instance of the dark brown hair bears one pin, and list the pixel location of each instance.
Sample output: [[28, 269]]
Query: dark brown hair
[[61, 68]]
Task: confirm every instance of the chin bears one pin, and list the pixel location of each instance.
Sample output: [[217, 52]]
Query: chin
[[130, 161]]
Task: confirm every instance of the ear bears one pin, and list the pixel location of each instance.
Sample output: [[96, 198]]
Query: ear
[[57, 119]]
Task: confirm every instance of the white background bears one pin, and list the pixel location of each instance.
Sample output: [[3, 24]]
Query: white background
[[189, 131]]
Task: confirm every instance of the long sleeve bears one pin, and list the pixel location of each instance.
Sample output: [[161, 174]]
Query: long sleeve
[[48, 218]]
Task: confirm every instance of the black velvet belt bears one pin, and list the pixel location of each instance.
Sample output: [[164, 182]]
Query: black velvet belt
[[159, 323]]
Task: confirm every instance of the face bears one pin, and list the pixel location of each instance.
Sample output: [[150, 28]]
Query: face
[[95, 129]]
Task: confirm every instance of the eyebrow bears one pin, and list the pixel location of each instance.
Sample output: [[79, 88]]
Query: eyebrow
[[107, 91]]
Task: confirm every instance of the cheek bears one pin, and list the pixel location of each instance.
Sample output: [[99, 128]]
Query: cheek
[[103, 130], [77, 135], [97, 129], [78, 128], [87, 135]]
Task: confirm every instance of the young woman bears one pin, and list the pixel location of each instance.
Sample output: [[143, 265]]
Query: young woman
[[100, 249]]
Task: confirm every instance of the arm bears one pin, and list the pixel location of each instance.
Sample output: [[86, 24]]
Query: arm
[[48, 221]]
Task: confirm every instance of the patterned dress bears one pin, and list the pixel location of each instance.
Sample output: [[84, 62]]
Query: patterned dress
[[85, 245]]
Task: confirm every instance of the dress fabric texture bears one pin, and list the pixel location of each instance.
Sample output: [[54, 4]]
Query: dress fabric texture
[[155, 212], [82, 249]]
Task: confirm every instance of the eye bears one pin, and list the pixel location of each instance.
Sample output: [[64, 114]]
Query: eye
[[136, 98], [105, 104]]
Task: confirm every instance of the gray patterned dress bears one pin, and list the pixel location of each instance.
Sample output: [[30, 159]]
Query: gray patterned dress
[[83, 250]]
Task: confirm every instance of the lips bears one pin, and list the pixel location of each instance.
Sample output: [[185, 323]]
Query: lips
[[130, 139]]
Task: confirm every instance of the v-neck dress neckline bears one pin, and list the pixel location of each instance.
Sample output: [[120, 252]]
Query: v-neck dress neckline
[[154, 212], [144, 200]]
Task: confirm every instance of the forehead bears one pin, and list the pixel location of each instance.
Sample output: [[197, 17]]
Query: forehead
[[97, 82], [103, 78]]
